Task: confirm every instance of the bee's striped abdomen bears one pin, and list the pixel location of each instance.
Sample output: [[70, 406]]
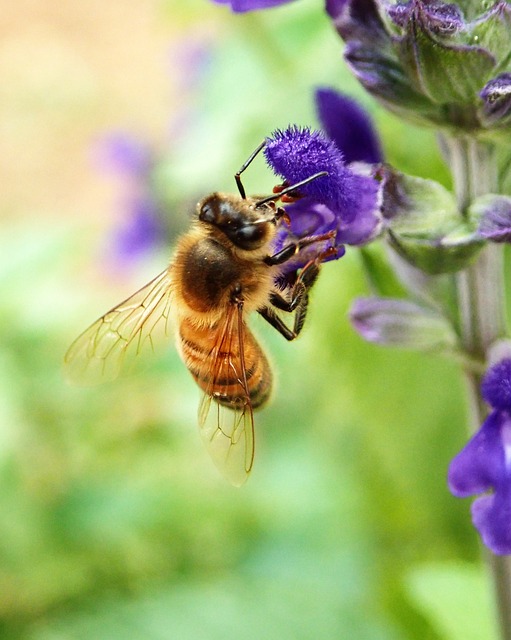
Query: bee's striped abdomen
[[219, 372]]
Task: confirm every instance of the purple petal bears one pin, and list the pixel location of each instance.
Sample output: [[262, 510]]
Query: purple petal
[[491, 516], [357, 19], [335, 7], [241, 6], [349, 126], [481, 464], [496, 385], [367, 223], [312, 218]]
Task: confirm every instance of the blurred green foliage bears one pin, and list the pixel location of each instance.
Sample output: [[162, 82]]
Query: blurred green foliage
[[114, 523]]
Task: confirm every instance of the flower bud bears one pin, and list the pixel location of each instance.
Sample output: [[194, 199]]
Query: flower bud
[[424, 225], [429, 60], [401, 323]]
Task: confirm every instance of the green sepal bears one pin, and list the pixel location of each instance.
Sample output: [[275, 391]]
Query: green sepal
[[491, 214], [425, 226], [492, 32], [446, 72]]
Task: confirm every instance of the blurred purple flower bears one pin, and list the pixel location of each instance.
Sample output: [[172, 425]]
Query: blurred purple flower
[[142, 226], [241, 6], [343, 201], [485, 464], [141, 231], [122, 154], [349, 126]]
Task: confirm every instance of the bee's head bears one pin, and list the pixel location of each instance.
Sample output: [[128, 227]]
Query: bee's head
[[246, 226]]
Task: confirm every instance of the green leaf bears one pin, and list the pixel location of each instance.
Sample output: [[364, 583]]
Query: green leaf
[[456, 598], [380, 276]]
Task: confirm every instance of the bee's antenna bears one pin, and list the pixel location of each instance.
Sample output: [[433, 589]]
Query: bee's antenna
[[293, 187], [241, 188]]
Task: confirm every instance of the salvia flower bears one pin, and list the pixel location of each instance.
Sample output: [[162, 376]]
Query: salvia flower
[[484, 465], [430, 60], [342, 200], [298, 153], [241, 6]]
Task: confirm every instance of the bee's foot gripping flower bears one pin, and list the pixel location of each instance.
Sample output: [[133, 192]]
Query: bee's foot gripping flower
[[485, 464]]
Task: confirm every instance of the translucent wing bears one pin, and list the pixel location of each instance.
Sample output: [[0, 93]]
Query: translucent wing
[[98, 353], [226, 419]]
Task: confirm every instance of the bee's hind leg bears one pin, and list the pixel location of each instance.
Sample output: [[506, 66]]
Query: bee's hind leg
[[297, 302]]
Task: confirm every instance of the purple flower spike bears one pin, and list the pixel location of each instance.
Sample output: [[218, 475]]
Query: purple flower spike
[[485, 464], [349, 126], [242, 6], [296, 154]]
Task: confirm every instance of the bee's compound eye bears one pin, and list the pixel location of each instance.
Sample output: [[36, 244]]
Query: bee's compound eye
[[249, 236]]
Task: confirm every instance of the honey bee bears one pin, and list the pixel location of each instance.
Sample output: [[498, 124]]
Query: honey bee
[[223, 270]]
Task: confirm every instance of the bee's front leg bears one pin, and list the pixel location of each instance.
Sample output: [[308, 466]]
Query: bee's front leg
[[293, 248]]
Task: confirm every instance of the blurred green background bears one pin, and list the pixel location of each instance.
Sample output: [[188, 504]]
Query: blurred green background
[[113, 521]]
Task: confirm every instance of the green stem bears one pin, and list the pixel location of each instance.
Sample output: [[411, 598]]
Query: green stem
[[481, 300]]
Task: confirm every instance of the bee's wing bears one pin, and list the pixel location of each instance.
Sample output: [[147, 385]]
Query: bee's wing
[[99, 352], [228, 431]]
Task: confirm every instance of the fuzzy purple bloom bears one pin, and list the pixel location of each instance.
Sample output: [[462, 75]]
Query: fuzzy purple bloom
[[241, 6], [349, 126], [343, 202], [485, 464], [298, 153]]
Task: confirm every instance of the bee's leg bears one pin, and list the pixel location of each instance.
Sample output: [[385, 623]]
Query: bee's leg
[[277, 323], [237, 175], [297, 302], [293, 248]]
